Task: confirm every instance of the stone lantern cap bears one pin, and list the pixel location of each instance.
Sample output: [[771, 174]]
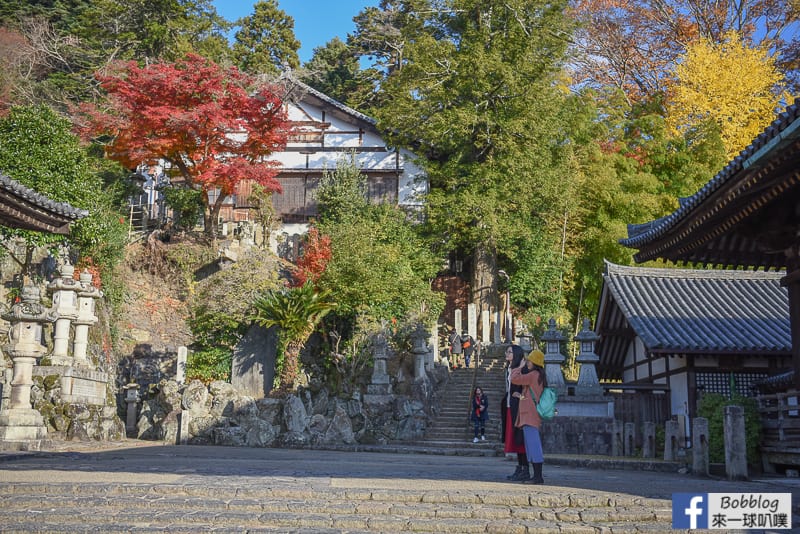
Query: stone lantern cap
[[87, 289], [552, 335], [65, 281], [586, 335], [30, 308]]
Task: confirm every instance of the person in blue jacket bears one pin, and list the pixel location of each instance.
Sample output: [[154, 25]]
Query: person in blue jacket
[[480, 414]]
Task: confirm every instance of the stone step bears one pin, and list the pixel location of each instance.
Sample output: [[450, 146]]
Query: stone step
[[197, 507]]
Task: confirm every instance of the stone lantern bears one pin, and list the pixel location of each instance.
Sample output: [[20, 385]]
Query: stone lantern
[[65, 304], [588, 383], [20, 424], [132, 399], [420, 350], [86, 317], [380, 383], [553, 358]]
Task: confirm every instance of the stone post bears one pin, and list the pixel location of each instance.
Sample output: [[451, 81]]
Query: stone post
[[457, 321], [486, 328], [472, 321], [86, 318], [21, 426], [553, 358], [420, 351], [630, 439], [700, 464], [433, 353], [649, 440], [671, 437], [65, 303], [132, 400], [588, 383], [735, 446], [180, 371], [496, 334], [617, 438], [380, 384]]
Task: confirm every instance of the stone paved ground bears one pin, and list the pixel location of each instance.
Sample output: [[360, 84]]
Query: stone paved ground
[[143, 487]]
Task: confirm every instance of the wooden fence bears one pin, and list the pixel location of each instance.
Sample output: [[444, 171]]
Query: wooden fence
[[780, 428], [638, 404]]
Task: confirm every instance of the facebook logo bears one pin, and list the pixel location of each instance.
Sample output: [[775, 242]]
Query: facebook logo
[[689, 510]]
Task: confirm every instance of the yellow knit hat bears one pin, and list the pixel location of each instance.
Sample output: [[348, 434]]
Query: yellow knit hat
[[536, 357]]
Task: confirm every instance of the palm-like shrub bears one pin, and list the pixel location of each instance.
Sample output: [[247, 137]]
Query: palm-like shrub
[[296, 312]]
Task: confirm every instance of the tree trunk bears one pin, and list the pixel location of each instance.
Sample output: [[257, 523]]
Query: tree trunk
[[291, 365], [484, 277]]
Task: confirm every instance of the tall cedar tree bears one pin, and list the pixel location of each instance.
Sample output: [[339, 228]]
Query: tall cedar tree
[[265, 42], [213, 126], [334, 70], [477, 95]]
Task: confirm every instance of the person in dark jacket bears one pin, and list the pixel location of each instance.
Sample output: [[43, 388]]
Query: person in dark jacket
[[480, 413], [468, 346], [512, 435], [455, 348]]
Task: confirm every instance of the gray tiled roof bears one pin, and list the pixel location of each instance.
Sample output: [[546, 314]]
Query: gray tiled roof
[[782, 131], [307, 89], [689, 310], [28, 194]]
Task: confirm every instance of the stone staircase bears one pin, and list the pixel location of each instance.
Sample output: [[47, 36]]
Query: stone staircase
[[452, 430], [248, 507]]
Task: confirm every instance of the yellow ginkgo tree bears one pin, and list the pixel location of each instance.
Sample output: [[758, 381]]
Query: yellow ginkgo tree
[[729, 83]]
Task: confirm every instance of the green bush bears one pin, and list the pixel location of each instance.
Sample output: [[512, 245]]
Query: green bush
[[712, 407]]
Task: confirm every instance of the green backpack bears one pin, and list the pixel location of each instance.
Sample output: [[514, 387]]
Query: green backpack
[[546, 406]]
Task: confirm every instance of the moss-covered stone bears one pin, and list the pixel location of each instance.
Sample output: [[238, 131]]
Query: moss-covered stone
[[51, 382]]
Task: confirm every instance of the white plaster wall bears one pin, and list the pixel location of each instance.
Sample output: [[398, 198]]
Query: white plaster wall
[[412, 183], [679, 393]]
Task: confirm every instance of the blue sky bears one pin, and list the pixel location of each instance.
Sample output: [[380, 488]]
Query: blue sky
[[315, 21]]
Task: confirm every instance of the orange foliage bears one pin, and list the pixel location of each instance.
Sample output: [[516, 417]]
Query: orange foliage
[[316, 255], [214, 126]]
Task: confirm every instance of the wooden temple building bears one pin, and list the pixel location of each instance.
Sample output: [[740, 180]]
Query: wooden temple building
[[747, 217]]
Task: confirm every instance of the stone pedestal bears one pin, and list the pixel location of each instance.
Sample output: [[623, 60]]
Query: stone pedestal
[[22, 427], [65, 304], [80, 385], [86, 318]]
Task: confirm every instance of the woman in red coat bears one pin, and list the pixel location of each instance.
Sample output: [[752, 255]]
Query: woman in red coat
[[511, 435], [530, 375]]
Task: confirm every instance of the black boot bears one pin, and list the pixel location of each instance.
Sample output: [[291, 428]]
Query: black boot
[[516, 473], [537, 475], [524, 474]]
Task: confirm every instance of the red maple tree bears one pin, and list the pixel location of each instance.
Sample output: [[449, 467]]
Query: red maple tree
[[213, 126], [315, 257]]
